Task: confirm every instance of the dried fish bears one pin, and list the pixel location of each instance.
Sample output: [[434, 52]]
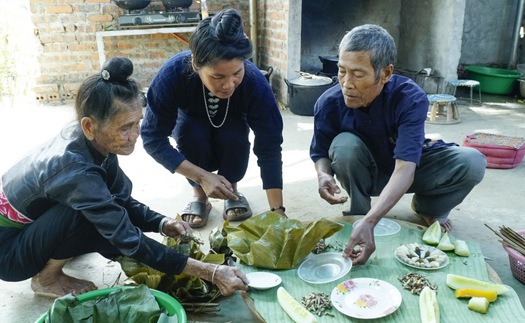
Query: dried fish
[[317, 303], [322, 246], [415, 283]]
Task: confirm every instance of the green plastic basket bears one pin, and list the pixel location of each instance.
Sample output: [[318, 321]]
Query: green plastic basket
[[494, 80], [164, 300]]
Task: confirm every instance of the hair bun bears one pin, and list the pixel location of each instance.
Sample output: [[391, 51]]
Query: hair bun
[[117, 69], [228, 26]]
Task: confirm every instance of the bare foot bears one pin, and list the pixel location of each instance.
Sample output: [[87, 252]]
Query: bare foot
[[446, 223], [60, 285]]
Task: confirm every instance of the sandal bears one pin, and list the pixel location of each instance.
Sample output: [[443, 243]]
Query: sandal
[[198, 209], [242, 203]]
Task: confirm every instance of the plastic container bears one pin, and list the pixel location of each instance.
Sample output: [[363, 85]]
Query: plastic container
[[164, 300], [517, 261], [494, 80]]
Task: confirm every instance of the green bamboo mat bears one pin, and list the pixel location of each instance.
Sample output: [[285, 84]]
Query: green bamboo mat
[[506, 308]]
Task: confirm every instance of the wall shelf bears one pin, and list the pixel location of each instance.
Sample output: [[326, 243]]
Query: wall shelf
[[100, 35]]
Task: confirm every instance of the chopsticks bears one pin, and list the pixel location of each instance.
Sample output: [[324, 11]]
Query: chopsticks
[[201, 307], [510, 238]]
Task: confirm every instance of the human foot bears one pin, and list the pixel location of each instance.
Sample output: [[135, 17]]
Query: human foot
[[196, 213], [445, 222], [236, 210], [60, 285]]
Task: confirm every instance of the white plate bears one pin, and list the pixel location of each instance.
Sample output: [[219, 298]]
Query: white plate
[[263, 280], [366, 298], [424, 248], [384, 227], [324, 268]]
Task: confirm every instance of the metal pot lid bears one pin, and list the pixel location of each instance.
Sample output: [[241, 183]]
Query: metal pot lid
[[311, 80]]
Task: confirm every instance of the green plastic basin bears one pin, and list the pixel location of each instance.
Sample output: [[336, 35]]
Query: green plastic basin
[[164, 300], [494, 80]]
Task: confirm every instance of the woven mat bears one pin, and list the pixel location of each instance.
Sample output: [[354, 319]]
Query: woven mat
[[497, 140], [507, 308]]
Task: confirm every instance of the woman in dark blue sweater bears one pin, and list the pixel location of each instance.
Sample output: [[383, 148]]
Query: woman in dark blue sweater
[[208, 99]]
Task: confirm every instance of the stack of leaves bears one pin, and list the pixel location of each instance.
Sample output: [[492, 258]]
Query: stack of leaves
[[184, 288], [271, 241]]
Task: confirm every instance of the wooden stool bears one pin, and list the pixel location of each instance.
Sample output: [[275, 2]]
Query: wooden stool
[[443, 109], [468, 83]]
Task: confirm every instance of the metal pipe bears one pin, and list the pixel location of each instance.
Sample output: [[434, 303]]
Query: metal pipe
[[253, 30], [517, 26]]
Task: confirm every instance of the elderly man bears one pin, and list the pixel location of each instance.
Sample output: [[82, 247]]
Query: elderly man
[[369, 132]]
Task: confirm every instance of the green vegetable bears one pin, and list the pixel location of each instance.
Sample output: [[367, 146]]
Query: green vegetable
[[445, 244], [433, 234], [297, 312], [478, 304], [428, 306], [461, 248], [460, 282]]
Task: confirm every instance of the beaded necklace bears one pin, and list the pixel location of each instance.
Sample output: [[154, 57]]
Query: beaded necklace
[[211, 111]]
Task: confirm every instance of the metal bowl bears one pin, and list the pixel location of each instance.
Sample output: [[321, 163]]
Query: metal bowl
[[173, 4], [132, 4]]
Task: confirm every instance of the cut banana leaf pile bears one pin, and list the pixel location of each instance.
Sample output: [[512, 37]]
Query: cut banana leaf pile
[[271, 241]]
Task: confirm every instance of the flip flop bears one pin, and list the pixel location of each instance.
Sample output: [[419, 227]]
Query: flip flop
[[199, 209], [242, 203]]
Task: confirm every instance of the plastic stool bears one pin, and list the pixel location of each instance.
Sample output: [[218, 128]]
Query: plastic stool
[[468, 83], [443, 109]]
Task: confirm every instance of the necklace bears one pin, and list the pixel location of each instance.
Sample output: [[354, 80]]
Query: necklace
[[212, 110]]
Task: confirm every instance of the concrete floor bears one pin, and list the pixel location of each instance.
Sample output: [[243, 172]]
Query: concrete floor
[[498, 200]]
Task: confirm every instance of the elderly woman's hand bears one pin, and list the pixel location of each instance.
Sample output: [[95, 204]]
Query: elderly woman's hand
[[229, 279], [174, 228]]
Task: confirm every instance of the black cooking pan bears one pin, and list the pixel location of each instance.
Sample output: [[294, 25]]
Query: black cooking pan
[[132, 4]]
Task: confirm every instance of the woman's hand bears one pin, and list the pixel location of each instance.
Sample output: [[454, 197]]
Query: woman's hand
[[173, 228], [217, 186], [229, 279]]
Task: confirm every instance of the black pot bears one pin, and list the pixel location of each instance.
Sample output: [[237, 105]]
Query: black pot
[[132, 4], [304, 91], [173, 4], [330, 64]]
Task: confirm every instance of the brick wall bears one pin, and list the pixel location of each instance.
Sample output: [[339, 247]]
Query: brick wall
[[272, 24], [66, 31]]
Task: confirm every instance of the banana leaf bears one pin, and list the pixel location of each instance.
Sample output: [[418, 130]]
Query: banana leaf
[[184, 287], [271, 241]]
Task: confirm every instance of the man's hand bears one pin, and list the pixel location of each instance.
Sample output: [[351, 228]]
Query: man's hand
[[328, 189], [361, 244]]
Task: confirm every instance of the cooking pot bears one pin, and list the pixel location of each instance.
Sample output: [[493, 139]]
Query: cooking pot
[[173, 4], [330, 64], [132, 4], [267, 73], [304, 91]]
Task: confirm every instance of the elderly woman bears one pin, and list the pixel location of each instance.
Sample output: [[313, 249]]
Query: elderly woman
[[69, 197], [208, 99]]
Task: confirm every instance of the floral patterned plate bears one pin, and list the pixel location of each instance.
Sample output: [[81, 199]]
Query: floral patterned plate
[[366, 298]]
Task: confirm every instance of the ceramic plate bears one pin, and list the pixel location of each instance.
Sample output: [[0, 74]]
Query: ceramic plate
[[366, 298], [324, 268], [263, 280], [423, 252], [384, 227]]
